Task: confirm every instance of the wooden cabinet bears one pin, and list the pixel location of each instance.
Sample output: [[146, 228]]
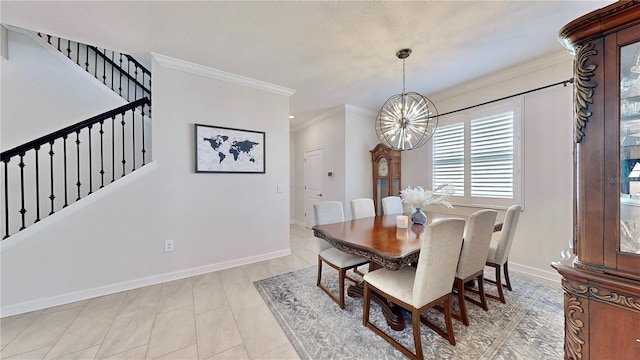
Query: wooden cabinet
[[601, 278], [385, 164]]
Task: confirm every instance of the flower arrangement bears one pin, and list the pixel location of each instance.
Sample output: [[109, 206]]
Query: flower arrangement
[[418, 197]]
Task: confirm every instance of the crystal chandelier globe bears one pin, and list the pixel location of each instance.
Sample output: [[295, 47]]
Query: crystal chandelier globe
[[406, 121]]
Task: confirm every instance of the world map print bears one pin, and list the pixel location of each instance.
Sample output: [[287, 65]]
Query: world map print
[[229, 150]]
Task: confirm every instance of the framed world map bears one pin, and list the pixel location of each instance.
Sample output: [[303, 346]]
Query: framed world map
[[226, 150]]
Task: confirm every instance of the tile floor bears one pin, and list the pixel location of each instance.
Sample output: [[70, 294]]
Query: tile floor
[[183, 319]]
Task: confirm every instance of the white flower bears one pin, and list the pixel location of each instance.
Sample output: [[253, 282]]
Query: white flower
[[418, 197]]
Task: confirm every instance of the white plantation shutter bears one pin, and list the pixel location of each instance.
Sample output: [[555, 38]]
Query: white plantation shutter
[[448, 157], [492, 156], [478, 151]]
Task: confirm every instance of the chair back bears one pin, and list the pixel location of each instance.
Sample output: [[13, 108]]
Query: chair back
[[438, 260], [361, 208], [392, 205], [475, 246], [505, 238], [327, 212]]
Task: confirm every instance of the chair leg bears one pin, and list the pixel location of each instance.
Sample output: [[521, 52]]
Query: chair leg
[[341, 276], [319, 271], [415, 316], [459, 285], [483, 300], [506, 275], [498, 284], [365, 307], [448, 323]]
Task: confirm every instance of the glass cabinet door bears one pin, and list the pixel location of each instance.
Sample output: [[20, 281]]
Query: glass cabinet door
[[630, 148]]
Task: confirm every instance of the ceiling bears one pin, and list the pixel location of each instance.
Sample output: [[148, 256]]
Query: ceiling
[[329, 52]]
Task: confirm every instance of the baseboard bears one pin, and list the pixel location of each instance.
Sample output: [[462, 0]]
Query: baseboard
[[542, 274], [133, 284]]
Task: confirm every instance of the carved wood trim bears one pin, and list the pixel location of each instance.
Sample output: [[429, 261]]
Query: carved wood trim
[[573, 341], [600, 293], [583, 87], [391, 264]]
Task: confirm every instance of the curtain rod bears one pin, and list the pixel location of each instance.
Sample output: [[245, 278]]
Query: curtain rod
[[565, 82]]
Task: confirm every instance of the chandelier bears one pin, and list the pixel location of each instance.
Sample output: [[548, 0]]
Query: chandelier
[[406, 121]]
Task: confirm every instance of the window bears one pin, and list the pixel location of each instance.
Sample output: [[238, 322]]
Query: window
[[478, 152]]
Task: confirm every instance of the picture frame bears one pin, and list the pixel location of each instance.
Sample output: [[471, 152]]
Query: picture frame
[[228, 150]]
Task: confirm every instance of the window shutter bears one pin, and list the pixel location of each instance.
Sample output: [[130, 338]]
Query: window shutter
[[448, 157], [491, 151]]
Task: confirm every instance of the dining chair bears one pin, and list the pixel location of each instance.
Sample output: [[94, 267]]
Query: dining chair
[[328, 212], [475, 248], [500, 248], [361, 208], [420, 288], [392, 205]]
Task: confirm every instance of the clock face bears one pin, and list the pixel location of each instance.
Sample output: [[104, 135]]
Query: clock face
[[383, 167]]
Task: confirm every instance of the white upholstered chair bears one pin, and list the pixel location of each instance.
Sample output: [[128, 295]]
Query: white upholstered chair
[[327, 212], [361, 208], [500, 248], [392, 205], [475, 247], [420, 288]]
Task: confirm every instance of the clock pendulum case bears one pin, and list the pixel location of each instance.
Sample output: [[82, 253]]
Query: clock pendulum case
[[385, 164]]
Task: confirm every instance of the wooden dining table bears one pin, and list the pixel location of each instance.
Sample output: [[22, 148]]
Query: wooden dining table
[[379, 240]]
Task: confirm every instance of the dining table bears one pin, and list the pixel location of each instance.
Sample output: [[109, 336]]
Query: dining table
[[379, 240]]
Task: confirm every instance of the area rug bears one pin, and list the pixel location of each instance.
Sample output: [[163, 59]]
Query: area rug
[[529, 326]]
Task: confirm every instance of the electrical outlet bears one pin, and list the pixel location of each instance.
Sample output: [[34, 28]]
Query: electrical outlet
[[168, 245]]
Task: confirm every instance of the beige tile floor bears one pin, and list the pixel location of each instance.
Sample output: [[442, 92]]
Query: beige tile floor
[[183, 319]]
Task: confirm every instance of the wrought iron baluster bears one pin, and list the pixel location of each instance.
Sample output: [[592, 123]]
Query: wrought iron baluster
[[90, 162], [113, 149], [142, 130], [101, 154], [133, 138], [52, 196], [64, 158], [95, 65], [104, 66], [112, 68], [86, 61], [135, 88], [59, 44], [128, 81], [37, 149], [78, 183], [69, 49], [6, 198], [124, 161], [22, 209], [49, 39], [120, 81], [78, 53]]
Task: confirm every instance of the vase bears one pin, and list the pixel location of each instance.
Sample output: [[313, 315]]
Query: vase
[[418, 217]]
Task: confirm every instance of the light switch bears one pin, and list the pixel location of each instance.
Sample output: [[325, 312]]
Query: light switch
[[280, 188]]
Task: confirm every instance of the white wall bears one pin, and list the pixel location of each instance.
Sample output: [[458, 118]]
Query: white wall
[[360, 139], [327, 133], [545, 226], [346, 134], [217, 220], [32, 105]]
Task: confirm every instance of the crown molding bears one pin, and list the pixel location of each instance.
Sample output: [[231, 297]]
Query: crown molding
[[360, 110], [205, 71]]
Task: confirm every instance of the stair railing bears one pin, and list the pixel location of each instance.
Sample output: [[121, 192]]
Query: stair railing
[[120, 72], [117, 148]]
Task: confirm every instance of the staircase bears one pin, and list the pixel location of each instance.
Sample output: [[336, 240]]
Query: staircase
[[54, 171]]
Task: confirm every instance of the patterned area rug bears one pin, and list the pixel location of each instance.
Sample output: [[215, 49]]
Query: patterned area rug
[[529, 326]]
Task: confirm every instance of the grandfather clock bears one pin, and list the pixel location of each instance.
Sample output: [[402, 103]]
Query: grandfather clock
[[385, 164]]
